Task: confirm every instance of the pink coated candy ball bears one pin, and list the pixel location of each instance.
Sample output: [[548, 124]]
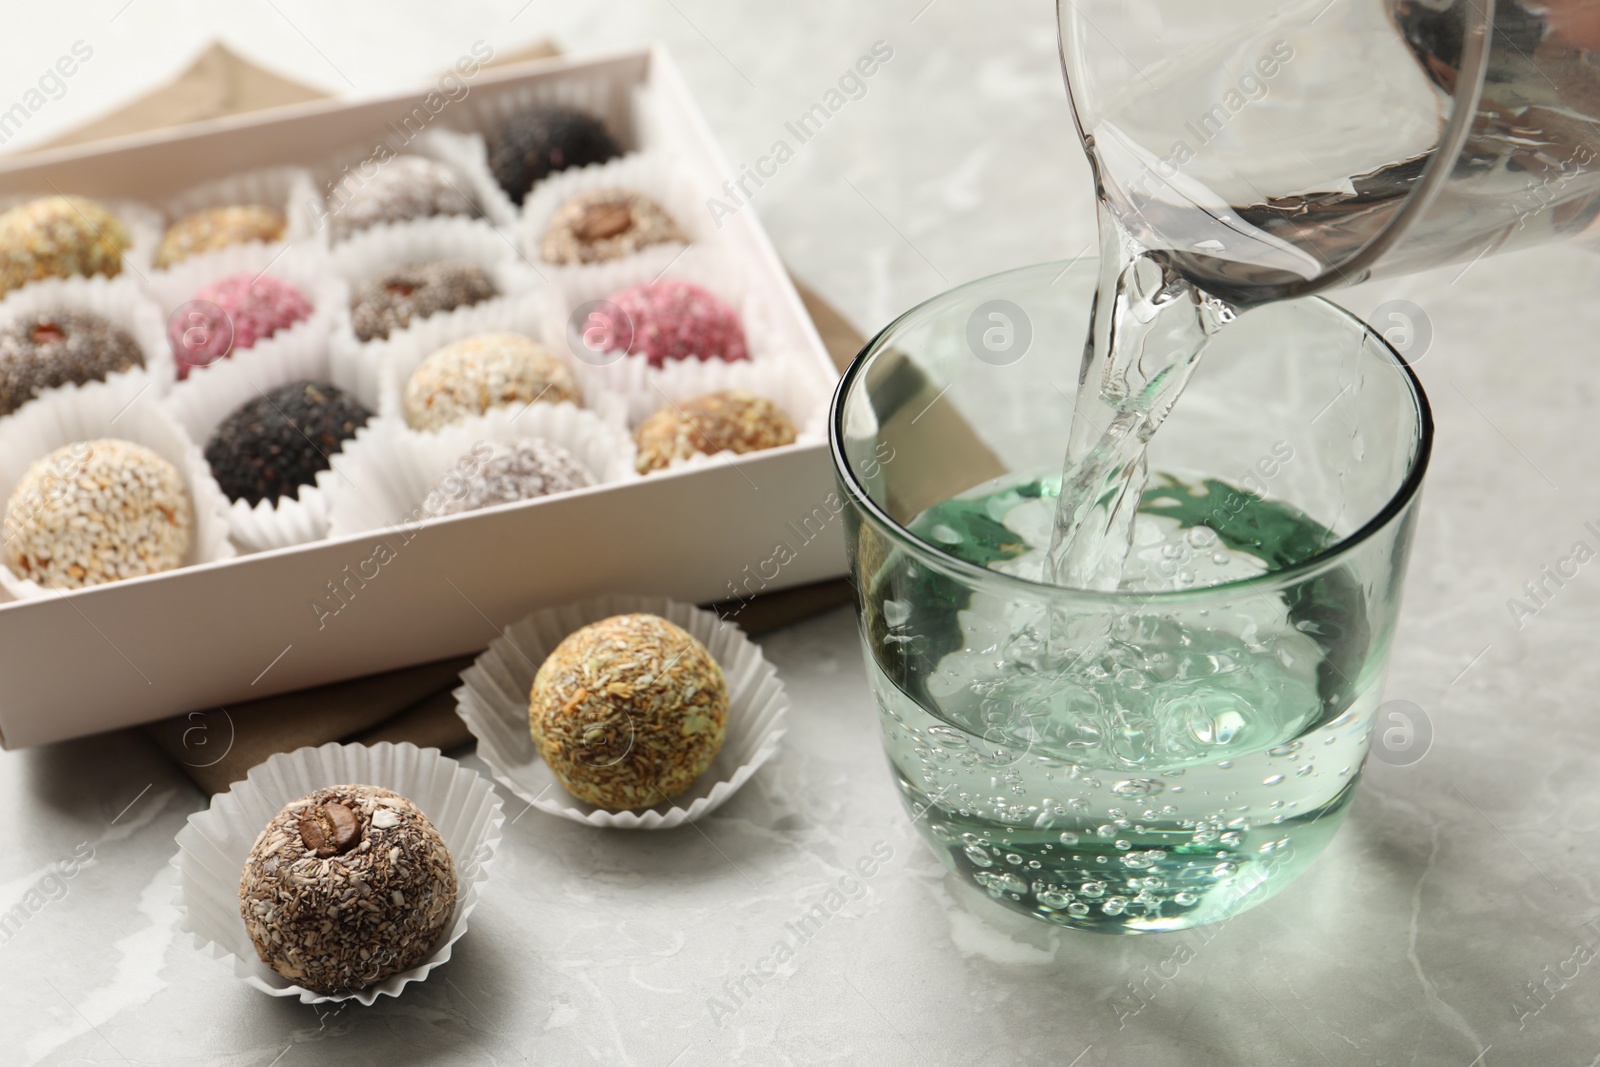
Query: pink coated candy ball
[[232, 313], [675, 320]]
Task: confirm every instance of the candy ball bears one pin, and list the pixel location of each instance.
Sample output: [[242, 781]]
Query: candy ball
[[670, 320], [271, 446], [729, 421], [485, 371], [218, 227], [230, 314], [395, 300], [346, 887], [629, 711], [401, 189], [51, 349], [58, 237], [502, 474], [606, 224], [533, 144]]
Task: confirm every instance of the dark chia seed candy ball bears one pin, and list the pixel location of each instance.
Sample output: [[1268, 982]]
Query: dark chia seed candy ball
[[56, 348], [346, 887], [397, 299], [535, 143], [271, 446]]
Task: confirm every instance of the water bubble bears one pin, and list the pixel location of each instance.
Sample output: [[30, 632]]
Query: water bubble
[[1225, 870], [1068, 837], [1078, 908], [1308, 769], [1053, 898], [977, 855], [1093, 889], [1284, 750], [1105, 830], [1184, 898], [1122, 844], [1224, 764], [1013, 859], [1137, 860], [1138, 787], [1272, 779], [947, 737], [1114, 905], [1229, 838]]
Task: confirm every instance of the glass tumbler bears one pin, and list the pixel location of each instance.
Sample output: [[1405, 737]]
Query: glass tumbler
[[1175, 751]]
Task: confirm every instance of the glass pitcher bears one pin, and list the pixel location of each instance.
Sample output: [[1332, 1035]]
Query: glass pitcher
[[1267, 150]]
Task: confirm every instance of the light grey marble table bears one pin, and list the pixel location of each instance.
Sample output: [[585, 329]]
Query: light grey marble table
[[1454, 921]]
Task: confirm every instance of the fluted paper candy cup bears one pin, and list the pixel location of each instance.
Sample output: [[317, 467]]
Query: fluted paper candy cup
[[213, 847], [493, 702]]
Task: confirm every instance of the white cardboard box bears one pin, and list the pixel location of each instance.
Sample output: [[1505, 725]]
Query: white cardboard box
[[210, 635]]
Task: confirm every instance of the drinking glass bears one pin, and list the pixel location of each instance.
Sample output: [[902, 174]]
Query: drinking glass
[[1275, 149], [1177, 750]]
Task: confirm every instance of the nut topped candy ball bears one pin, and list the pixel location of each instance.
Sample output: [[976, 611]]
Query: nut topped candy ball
[[346, 887], [628, 711], [96, 511], [485, 371], [606, 224], [729, 421], [57, 237]]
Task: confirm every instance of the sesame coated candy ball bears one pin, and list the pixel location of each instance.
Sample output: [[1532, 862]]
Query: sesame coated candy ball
[[729, 421], [58, 237], [395, 300], [606, 224], [628, 711], [56, 348], [96, 511], [485, 371], [671, 320], [346, 887], [218, 227]]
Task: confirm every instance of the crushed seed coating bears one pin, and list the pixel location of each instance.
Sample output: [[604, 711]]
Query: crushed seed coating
[[402, 189], [338, 921], [488, 370], [270, 446], [521, 470], [393, 301], [96, 511], [628, 711], [534, 144], [232, 313], [218, 227], [732, 420], [606, 224], [58, 237], [56, 348], [671, 320]]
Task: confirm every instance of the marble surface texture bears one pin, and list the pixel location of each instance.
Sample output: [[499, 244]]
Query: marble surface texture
[[1454, 922]]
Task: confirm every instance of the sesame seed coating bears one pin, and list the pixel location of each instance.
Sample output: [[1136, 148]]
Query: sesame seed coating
[[59, 236], [606, 224], [629, 711], [402, 189], [535, 143], [487, 370], [520, 470], [230, 314], [270, 446], [218, 227], [672, 319], [393, 301], [347, 886], [56, 348], [96, 511], [732, 420]]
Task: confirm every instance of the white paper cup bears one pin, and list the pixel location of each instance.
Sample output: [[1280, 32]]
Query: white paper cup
[[382, 478], [306, 268], [213, 847], [493, 702], [201, 402], [657, 175], [286, 190], [124, 409], [118, 300]]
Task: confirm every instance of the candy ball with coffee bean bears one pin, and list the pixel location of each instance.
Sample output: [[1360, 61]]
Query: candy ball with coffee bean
[[606, 224], [505, 473], [97, 511], [728, 421], [628, 711], [346, 887], [395, 300], [59, 237], [271, 446], [485, 371], [218, 227], [55, 348], [535, 143], [399, 190]]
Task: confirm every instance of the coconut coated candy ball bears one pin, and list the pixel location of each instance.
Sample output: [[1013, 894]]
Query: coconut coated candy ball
[[401, 189], [481, 372], [505, 473]]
